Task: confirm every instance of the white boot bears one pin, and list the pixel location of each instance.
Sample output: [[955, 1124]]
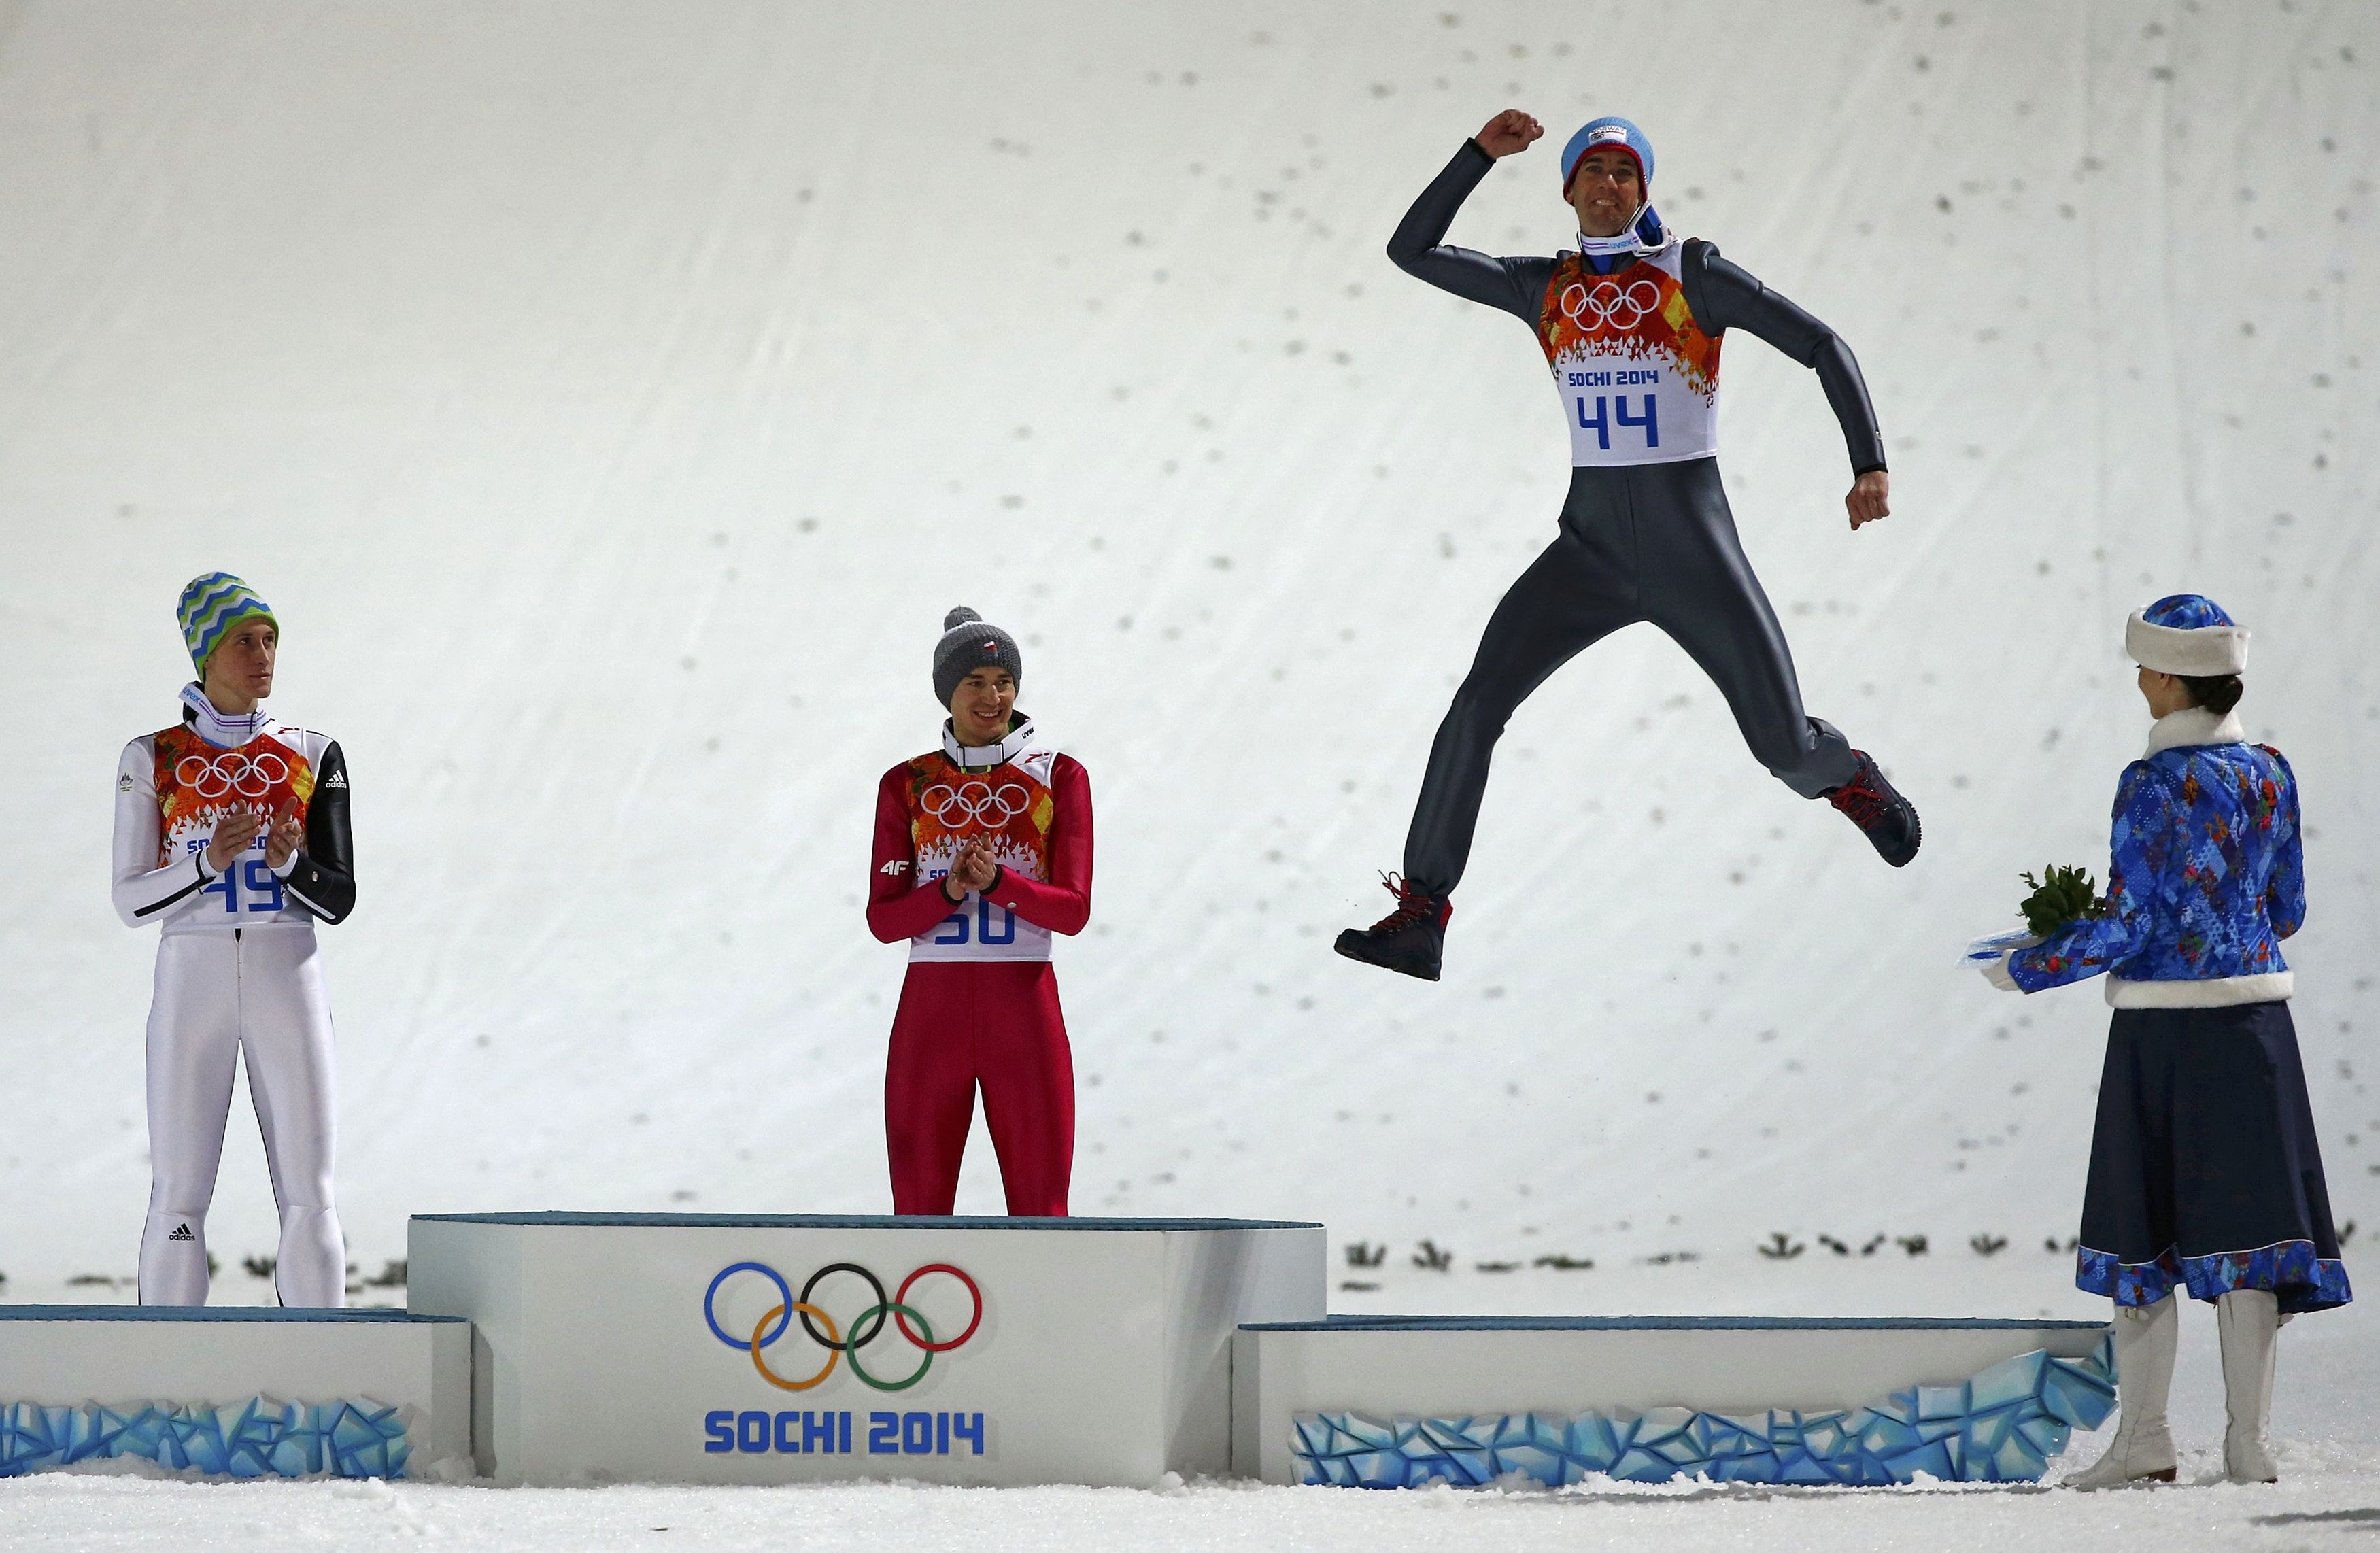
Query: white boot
[[2144, 1447], [2248, 1320]]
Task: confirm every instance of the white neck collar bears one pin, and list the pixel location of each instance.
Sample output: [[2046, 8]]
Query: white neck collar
[[225, 729], [974, 756], [2195, 725], [1629, 241]]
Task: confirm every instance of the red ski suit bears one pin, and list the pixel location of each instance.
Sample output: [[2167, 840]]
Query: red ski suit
[[980, 1005]]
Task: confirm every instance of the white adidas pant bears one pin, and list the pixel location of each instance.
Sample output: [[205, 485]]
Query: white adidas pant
[[219, 994]]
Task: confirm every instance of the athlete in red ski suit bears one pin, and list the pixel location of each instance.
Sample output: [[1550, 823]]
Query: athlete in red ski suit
[[980, 1005]]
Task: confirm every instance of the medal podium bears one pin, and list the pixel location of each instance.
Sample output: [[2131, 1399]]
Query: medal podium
[[586, 1348], [234, 1391], [699, 1348]]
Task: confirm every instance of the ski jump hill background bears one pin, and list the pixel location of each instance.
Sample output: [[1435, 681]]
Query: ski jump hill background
[[611, 399]]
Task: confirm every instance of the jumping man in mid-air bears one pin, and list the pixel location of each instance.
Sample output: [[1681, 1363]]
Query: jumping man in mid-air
[[1631, 326]]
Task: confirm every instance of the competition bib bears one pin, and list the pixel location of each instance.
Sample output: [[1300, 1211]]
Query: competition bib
[[199, 783], [1638, 378], [1012, 804]]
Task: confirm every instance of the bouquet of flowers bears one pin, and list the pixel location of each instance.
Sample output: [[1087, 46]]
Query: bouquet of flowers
[[2059, 896]]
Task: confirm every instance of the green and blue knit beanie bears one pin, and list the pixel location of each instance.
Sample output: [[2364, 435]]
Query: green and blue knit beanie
[[211, 606]]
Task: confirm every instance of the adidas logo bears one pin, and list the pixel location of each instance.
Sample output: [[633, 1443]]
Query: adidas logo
[[124, 783], [339, 780], [181, 1231]]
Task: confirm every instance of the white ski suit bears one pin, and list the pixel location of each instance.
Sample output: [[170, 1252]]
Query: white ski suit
[[236, 974]]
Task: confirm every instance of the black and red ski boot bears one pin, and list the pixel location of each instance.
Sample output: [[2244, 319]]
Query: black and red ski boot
[[1874, 805], [1410, 939]]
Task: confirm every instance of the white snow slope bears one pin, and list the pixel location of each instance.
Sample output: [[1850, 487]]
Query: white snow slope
[[611, 397]]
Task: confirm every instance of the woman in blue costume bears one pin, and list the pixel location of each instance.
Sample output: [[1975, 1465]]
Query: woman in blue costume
[[2204, 1173]]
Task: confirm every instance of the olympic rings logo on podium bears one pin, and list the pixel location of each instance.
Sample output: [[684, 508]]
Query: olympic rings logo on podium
[[975, 800], [1602, 305], [226, 774], [841, 1343]]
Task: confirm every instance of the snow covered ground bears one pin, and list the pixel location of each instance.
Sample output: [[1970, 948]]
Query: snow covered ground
[[612, 396], [86, 1514]]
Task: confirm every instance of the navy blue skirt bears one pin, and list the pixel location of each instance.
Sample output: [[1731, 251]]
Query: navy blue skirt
[[2204, 1172]]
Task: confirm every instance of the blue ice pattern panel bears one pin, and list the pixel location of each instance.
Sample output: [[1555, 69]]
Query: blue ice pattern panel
[[259, 1437], [2299, 1278], [2000, 1426]]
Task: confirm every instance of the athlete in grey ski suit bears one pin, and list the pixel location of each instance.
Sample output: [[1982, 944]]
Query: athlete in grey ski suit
[[1646, 538]]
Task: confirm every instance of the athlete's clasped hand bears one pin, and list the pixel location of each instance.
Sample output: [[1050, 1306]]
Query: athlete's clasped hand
[[286, 836], [1509, 131], [233, 833], [236, 832], [1870, 498], [973, 868]]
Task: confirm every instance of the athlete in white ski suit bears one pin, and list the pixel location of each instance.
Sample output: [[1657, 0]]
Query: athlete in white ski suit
[[236, 974]]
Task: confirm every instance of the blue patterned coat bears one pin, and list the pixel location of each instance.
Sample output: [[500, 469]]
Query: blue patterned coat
[[2206, 875]]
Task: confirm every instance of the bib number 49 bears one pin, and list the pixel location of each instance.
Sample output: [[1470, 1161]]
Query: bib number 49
[[263, 890]]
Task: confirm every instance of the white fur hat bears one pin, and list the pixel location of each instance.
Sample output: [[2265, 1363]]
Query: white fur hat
[[2186, 634]]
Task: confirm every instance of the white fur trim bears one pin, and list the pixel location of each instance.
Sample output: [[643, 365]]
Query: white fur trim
[[2174, 650], [2228, 991], [2194, 725]]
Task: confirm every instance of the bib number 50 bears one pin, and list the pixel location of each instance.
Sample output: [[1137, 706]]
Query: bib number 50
[[959, 923]]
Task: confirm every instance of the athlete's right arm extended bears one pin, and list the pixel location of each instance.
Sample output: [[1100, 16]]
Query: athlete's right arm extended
[[1420, 249], [143, 892]]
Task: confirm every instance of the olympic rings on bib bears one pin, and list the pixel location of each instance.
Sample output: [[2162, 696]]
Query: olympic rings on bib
[[1607, 303], [975, 800], [224, 775], [841, 1343]]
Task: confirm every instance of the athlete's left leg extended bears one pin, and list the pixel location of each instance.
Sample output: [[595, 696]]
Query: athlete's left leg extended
[[285, 1033], [1699, 587], [1027, 1073]]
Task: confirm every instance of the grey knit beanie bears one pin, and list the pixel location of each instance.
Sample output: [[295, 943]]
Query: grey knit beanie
[[967, 645]]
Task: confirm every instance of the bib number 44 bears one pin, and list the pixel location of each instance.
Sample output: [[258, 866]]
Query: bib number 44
[[1616, 415]]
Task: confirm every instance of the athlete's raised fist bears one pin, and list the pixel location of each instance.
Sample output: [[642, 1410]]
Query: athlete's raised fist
[[1509, 131], [1870, 498]]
